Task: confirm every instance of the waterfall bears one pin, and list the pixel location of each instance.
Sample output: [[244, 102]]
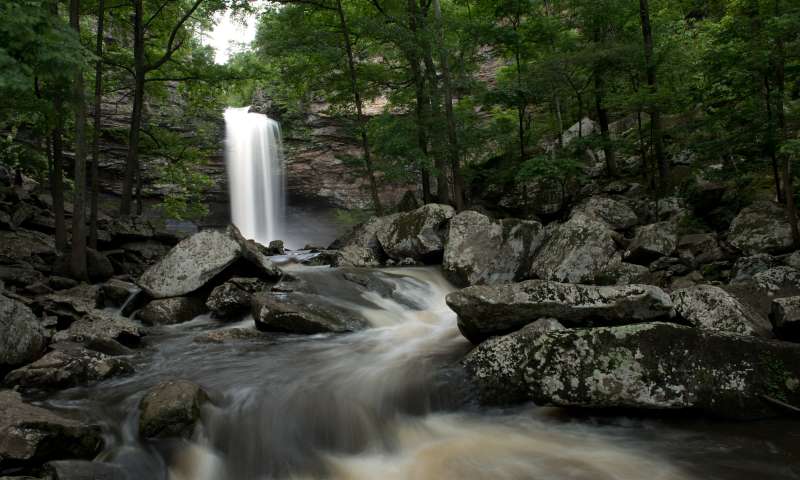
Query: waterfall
[[256, 174]]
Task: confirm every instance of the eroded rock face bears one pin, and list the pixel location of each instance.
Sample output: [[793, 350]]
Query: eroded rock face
[[418, 234], [484, 311], [297, 312], [615, 214], [763, 227], [481, 251], [577, 251], [652, 242], [169, 311], [708, 307], [662, 366], [30, 435], [171, 409], [22, 338], [785, 317]]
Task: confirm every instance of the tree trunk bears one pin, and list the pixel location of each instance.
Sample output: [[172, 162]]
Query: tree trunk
[[98, 99], [442, 182], [139, 68], [458, 184], [771, 142], [655, 113], [57, 177], [351, 66], [602, 118], [422, 105], [78, 257]]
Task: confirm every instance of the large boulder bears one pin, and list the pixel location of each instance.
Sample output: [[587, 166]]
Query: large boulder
[[418, 234], [30, 436], [485, 311], [785, 317], [22, 338], [615, 214], [361, 248], [763, 227], [577, 251], [68, 365], [171, 409], [480, 250], [193, 262], [232, 298], [663, 366], [298, 312], [711, 308], [170, 311], [652, 242]]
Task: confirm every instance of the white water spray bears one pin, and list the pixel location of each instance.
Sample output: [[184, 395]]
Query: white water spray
[[256, 174]]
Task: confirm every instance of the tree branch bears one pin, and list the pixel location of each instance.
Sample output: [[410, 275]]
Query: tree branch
[[171, 46], [156, 13]]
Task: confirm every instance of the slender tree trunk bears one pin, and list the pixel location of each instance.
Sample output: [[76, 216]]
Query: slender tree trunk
[[442, 182], [771, 140], [57, 177], [422, 105], [458, 183], [655, 112], [139, 68], [351, 67], [98, 100], [602, 118], [78, 257]]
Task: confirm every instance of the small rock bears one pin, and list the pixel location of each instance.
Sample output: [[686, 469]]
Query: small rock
[[104, 326], [171, 409], [301, 313], [170, 311], [225, 335], [276, 247], [61, 283]]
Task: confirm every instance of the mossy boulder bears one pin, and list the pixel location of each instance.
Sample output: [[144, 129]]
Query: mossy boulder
[[763, 227], [418, 234]]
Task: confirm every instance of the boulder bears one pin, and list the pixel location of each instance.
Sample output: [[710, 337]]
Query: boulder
[[785, 317], [99, 327], [98, 266], [480, 250], [701, 248], [30, 436], [85, 470], [652, 242], [746, 267], [22, 339], [361, 247], [276, 247], [708, 307], [170, 311], [232, 298], [225, 335], [761, 228], [615, 214], [485, 311], [116, 292], [496, 366], [68, 365], [663, 366], [22, 244], [576, 251], [20, 275], [72, 304], [171, 409], [298, 312], [777, 278], [418, 234]]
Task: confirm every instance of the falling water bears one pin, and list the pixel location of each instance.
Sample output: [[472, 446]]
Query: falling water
[[256, 174]]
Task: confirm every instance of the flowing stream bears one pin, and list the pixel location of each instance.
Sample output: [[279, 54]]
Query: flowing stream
[[391, 403]]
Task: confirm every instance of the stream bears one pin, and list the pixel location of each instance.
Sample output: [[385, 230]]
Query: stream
[[390, 403]]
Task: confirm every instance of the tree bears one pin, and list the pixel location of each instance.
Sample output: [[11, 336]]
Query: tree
[[98, 101], [655, 112]]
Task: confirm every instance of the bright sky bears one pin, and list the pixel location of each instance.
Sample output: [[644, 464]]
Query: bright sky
[[230, 36]]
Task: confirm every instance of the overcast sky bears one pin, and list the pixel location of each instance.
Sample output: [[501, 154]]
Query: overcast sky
[[229, 35]]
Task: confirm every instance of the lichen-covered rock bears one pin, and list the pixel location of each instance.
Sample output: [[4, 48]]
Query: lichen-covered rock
[[418, 234], [711, 308], [22, 338], [577, 251], [361, 248], [785, 317], [482, 251], [298, 312], [68, 365], [777, 278], [652, 242], [102, 326], [663, 366], [485, 311], [746, 267], [171, 409], [496, 366], [232, 298], [616, 214], [169, 311], [30, 436], [763, 227]]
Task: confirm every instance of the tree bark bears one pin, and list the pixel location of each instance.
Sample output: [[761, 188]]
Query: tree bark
[[602, 118], [655, 112], [98, 100], [132, 158], [78, 254], [351, 67], [422, 105], [442, 182], [57, 177]]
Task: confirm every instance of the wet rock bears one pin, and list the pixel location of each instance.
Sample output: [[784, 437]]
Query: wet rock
[[662, 366], [276, 247], [85, 470], [711, 308], [496, 366], [361, 247], [480, 250], [22, 338], [785, 317], [102, 326], [419, 234], [30, 436], [169, 311], [71, 305], [68, 365], [652, 242], [61, 283], [232, 298], [256, 255], [116, 292], [615, 214], [303, 313], [484, 311], [171, 409], [226, 335], [577, 251], [761, 228], [375, 283]]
